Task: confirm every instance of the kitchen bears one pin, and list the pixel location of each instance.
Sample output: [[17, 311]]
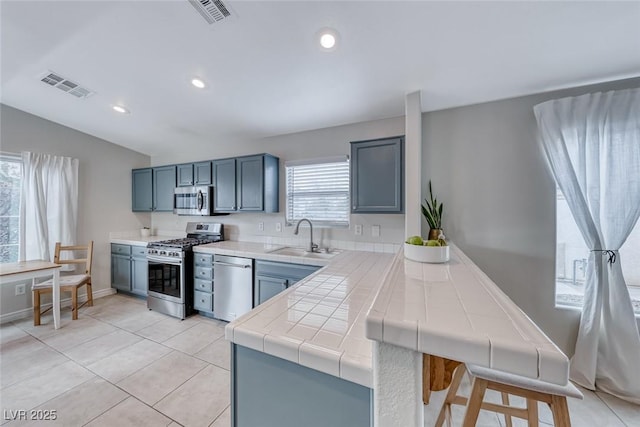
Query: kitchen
[[483, 154]]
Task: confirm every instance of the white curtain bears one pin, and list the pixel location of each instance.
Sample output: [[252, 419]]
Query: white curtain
[[592, 143], [49, 204]]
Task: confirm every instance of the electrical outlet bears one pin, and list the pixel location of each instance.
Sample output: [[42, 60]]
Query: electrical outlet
[[261, 226], [20, 289], [375, 230], [278, 226], [358, 229]]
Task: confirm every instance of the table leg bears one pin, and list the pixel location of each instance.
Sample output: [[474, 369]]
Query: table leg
[[56, 299]]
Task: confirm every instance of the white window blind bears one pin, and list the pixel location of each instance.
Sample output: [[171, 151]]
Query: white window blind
[[319, 191]]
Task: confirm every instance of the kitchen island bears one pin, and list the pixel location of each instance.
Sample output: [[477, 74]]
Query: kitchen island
[[344, 346]]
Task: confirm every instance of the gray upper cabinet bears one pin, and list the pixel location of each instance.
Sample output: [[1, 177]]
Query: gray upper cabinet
[[164, 184], [152, 189], [141, 191], [185, 175], [224, 180], [194, 174], [246, 184], [202, 173], [377, 176]]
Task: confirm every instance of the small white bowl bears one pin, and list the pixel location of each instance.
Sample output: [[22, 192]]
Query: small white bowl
[[430, 254]]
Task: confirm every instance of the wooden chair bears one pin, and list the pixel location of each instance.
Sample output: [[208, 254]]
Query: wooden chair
[[533, 391], [70, 283]]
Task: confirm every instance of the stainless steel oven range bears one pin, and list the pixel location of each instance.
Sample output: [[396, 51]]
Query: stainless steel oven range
[[170, 288]]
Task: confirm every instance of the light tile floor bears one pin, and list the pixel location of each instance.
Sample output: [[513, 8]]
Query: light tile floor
[[122, 365]]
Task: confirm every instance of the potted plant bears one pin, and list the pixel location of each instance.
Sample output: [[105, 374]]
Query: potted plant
[[145, 232], [432, 213]]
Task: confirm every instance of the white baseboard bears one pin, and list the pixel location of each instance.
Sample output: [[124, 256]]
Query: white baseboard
[[66, 302]]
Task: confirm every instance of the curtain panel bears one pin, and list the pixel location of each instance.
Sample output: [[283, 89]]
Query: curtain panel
[[592, 144], [48, 205]]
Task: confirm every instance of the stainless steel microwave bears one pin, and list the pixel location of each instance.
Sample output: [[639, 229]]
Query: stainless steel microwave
[[193, 200]]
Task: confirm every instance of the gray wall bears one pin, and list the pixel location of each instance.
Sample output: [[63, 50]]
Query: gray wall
[[499, 197], [104, 203]]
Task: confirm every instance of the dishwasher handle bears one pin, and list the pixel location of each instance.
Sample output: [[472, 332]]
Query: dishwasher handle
[[228, 264]]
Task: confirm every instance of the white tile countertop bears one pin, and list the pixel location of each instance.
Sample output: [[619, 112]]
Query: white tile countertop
[[319, 322], [138, 240], [454, 310]]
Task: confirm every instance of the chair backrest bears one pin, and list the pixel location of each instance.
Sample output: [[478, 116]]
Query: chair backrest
[[86, 261]]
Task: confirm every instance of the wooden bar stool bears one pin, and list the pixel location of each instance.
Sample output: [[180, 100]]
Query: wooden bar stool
[[533, 391]]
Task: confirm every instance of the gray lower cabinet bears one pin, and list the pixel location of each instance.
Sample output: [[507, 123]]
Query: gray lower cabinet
[[129, 269], [246, 184], [269, 391], [271, 278], [377, 176], [203, 283]]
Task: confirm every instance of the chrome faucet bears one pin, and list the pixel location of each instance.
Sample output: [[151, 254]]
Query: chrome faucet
[[312, 246]]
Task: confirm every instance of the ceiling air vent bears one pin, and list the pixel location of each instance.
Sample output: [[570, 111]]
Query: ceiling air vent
[[56, 80], [213, 11]]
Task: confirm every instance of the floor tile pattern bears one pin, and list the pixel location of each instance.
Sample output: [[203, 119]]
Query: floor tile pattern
[[123, 365]]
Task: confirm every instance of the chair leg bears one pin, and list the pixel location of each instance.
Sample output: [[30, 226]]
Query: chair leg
[[532, 409], [74, 304], [451, 394], [36, 307], [560, 411], [475, 402], [505, 402], [89, 295]]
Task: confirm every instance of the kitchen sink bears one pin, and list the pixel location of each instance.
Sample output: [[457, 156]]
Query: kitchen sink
[[301, 252]]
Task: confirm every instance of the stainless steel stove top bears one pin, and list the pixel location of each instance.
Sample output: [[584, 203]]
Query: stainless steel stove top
[[198, 233]]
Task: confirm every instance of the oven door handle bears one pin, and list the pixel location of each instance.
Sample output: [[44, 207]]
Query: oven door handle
[[163, 261]]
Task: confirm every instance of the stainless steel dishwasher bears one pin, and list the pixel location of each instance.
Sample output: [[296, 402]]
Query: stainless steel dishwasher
[[232, 286]]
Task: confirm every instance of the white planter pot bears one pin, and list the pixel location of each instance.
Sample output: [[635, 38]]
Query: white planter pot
[[431, 254], [145, 232]]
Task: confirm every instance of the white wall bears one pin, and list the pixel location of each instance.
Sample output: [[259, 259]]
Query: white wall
[[304, 145], [499, 198], [104, 203]]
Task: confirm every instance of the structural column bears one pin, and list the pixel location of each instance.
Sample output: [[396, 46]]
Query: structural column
[[413, 164]]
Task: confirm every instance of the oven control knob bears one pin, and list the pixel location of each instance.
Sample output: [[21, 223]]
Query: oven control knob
[[163, 252]]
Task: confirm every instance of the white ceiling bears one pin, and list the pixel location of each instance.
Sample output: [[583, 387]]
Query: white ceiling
[[266, 75]]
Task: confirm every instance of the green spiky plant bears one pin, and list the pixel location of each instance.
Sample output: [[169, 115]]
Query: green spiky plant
[[432, 211]]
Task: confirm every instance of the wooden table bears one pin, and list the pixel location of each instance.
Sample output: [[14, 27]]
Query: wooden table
[[24, 270]]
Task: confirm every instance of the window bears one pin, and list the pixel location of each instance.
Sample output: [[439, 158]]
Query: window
[[572, 255], [319, 191], [10, 179]]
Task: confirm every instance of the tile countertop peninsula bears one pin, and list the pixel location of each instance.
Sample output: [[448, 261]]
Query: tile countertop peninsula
[[319, 322], [454, 310], [139, 240]]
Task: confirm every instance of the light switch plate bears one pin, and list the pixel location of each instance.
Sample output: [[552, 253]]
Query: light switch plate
[[375, 230], [261, 226], [278, 226], [358, 229]]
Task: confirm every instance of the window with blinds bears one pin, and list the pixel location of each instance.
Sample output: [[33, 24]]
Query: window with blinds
[[318, 190]]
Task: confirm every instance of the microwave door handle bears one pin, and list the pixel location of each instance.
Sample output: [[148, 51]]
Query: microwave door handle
[[200, 200]]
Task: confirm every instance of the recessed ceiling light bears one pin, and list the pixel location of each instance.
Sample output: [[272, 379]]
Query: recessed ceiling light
[[198, 83], [120, 109], [328, 39]]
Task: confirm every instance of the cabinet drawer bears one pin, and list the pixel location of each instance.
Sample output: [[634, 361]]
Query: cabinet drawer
[[203, 301], [120, 249], [205, 273], [203, 285], [203, 259], [139, 251]]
